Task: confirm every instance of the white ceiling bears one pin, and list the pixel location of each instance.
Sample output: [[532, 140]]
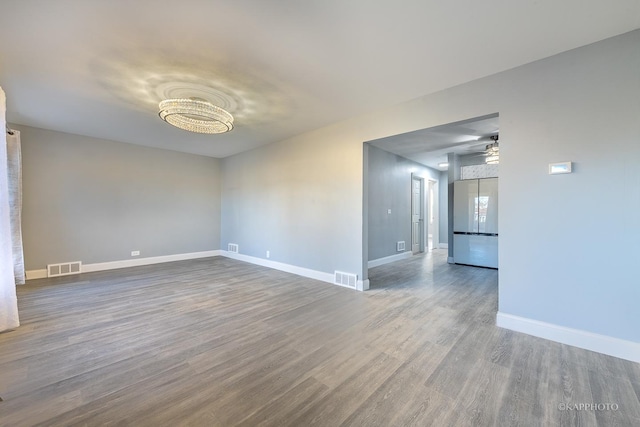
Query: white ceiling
[[431, 146], [99, 68]]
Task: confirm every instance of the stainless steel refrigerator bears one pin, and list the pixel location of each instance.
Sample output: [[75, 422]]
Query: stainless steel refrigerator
[[475, 222]]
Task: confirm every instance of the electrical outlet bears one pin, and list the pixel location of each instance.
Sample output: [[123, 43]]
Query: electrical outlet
[[268, 254], [135, 253]]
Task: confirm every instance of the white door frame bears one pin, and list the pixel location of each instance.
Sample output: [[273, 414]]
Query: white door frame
[[432, 210], [418, 246]]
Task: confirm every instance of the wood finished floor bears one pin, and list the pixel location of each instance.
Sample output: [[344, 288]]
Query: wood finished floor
[[218, 342]]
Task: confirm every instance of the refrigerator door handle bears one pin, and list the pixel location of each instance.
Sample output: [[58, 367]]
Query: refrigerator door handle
[[468, 233]]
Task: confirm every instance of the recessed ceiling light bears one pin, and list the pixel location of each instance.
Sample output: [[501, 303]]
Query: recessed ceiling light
[[443, 165]]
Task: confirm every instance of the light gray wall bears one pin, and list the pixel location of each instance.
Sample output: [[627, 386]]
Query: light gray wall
[[568, 253], [443, 196], [389, 183], [300, 199], [93, 200], [569, 245]]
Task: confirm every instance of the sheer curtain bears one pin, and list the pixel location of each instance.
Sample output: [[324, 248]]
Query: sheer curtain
[[8, 300], [14, 174]]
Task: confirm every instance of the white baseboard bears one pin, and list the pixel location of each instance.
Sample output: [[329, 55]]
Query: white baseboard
[[112, 265], [450, 260], [389, 259], [616, 347], [36, 274], [361, 285]]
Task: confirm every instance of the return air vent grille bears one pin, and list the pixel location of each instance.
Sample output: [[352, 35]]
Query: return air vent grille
[[232, 247], [64, 269], [400, 246], [345, 279]]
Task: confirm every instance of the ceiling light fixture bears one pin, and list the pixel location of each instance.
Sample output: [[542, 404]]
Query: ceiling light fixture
[[443, 165], [493, 152], [195, 115]]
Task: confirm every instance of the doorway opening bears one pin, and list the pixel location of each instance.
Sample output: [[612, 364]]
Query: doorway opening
[[424, 215], [417, 215], [408, 188], [433, 220]]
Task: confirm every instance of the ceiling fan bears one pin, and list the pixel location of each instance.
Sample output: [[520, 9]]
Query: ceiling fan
[[490, 151]]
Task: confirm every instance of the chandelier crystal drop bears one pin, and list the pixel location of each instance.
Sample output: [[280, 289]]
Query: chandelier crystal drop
[[195, 115]]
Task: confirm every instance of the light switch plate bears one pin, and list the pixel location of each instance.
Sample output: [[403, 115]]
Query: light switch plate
[[558, 168]]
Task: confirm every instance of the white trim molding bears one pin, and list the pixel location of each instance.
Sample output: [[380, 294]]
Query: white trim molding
[[88, 268], [361, 285], [112, 265], [389, 259], [604, 344], [36, 274], [288, 268]]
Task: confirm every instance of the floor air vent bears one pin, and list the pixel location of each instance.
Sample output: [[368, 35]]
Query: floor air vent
[[232, 247], [64, 269], [400, 247], [345, 279]]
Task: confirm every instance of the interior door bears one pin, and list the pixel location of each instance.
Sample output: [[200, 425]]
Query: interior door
[[417, 217]]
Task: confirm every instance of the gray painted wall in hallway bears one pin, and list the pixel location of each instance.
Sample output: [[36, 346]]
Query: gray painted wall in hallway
[[390, 188], [92, 200]]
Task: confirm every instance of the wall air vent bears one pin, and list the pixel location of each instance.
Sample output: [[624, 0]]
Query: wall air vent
[[400, 246], [345, 279], [64, 269], [232, 247]]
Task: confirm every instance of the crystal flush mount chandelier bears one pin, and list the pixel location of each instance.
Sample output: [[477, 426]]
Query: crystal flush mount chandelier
[[195, 115]]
